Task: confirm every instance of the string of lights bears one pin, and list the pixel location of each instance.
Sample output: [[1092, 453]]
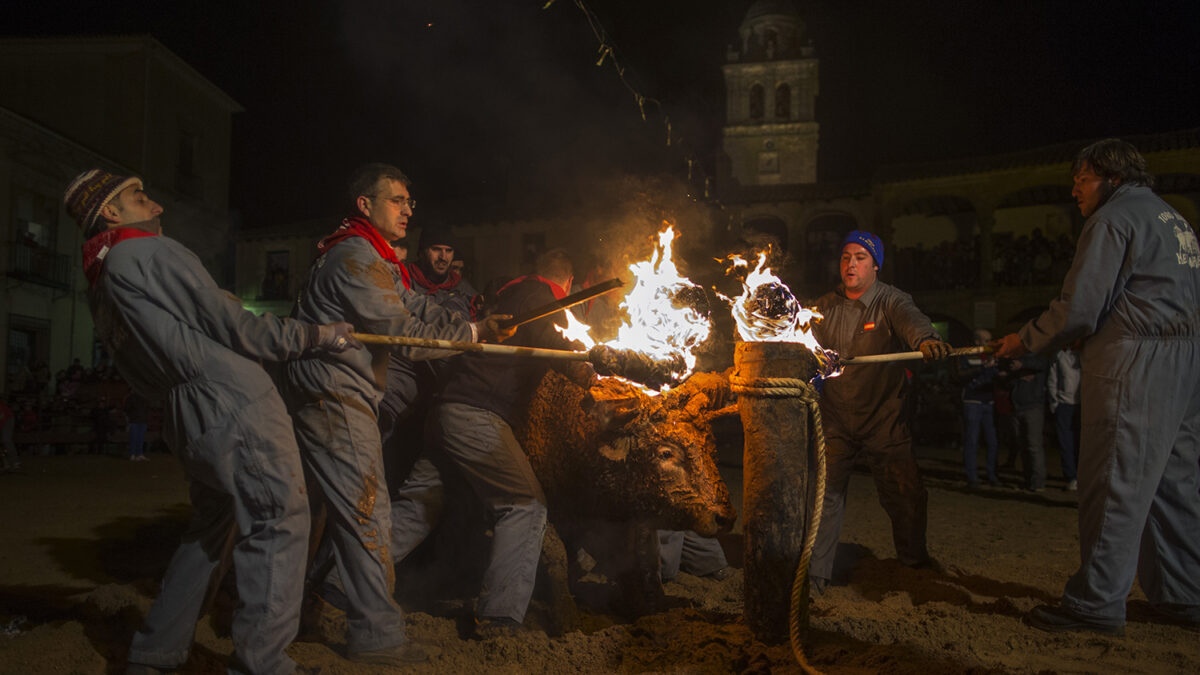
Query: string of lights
[[607, 51]]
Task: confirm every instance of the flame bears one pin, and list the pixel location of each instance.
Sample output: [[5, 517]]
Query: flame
[[657, 325], [576, 331], [768, 311]]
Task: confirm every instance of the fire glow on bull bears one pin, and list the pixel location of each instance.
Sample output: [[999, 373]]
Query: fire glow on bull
[[768, 311], [659, 325]]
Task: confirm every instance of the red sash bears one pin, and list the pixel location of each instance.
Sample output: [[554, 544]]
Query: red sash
[[357, 226], [558, 291], [97, 248], [452, 279]]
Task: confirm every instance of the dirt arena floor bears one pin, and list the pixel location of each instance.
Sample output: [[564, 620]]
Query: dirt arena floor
[[85, 540]]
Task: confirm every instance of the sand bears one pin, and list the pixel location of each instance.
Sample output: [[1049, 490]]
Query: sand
[[86, 538]]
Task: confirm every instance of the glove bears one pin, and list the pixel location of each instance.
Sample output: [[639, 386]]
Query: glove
[[934, 350], [490, 329], [336, 338], [1009, 347]]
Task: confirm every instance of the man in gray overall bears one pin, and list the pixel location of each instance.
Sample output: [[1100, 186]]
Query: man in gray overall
[[334, 399], [178, 338], [1133, 296], [864, 409]]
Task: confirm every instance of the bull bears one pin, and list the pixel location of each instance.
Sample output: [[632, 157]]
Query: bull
[[616, 465], [613, 459]]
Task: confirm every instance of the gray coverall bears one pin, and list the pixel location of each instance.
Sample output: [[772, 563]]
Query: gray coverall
[[470, 428], [178, 338], [1133, 291], [411, 385], [863, 410], [334, 399], [684, 550]]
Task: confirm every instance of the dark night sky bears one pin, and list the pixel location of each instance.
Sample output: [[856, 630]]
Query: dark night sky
[[501, 97]]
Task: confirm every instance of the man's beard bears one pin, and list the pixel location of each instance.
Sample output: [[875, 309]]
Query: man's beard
[[432, 274]]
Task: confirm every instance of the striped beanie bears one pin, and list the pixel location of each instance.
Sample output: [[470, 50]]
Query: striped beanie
[[90, 191]]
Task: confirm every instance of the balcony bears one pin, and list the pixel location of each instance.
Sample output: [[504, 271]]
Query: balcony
[[39, 265]]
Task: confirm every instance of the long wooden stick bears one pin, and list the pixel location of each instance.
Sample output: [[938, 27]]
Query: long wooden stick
[[483, 347], [910, 356], [567, 302]]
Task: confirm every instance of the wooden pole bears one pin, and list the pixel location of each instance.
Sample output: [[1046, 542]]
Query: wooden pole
[[775, 483], [910, 356], [484, 347]]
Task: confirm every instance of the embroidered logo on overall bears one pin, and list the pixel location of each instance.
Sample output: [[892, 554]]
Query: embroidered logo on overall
[[869, 325]]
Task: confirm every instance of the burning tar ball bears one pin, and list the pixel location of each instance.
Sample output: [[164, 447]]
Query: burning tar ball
[[772, 301], [692, 297]]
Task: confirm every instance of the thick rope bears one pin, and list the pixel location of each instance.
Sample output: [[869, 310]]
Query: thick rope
[[785, 387]]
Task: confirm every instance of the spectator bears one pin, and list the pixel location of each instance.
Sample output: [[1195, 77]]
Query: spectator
[[101, 426], [8, 458], [1028, 379], [977, 372], [137, 416], [1062, 384]]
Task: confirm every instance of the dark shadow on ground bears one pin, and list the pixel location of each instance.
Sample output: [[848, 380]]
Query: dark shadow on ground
[[875, 579], [124, 550]]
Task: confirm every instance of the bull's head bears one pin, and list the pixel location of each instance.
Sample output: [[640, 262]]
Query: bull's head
[[620, 454]]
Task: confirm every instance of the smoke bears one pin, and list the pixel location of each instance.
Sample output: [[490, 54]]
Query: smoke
[[488, 103]]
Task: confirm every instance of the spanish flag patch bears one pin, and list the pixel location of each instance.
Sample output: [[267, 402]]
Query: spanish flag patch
[[869, 326]]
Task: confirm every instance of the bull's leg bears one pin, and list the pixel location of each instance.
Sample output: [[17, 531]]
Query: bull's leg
[[641, 589], [554, 580]]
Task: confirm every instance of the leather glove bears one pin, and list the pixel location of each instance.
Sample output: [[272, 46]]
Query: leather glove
[[336, 338], [490, 329], [934, 350]]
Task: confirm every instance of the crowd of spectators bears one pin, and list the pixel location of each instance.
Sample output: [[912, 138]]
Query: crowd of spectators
[[1023, 260], [81, 410]]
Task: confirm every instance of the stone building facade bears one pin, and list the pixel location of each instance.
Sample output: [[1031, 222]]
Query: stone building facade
[[980, 242], [125, 104]]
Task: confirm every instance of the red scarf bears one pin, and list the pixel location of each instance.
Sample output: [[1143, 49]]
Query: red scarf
[[452, 279], [558, 291], [97, 248], [357, 226]]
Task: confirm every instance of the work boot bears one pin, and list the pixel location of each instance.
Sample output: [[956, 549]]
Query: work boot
[[817, 586], [404, 654], [1062, 620], [1184, 616]]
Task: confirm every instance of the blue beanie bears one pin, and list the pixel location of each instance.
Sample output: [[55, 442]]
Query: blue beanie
[[868, 241]]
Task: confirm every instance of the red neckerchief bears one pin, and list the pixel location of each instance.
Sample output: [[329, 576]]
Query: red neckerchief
[[452, 279], [97, 248], [357, 226], [558, 291]]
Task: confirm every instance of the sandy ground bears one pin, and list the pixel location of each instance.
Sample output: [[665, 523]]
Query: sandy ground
[[85, 540]]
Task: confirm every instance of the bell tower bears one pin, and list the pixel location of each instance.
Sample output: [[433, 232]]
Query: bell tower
[[770, 133]]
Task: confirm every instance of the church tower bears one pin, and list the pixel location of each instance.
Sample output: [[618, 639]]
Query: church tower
[[770, 134]]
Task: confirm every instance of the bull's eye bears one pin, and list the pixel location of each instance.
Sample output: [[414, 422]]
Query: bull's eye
[[666, 452]]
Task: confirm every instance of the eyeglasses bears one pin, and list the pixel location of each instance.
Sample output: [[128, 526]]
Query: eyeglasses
[[399, 201]]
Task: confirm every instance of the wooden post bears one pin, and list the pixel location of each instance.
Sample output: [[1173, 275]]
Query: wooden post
[[775, 483]]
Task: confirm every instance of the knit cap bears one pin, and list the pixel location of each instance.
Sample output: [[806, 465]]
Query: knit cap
[[435, 236], [90, 191], [873, 244]]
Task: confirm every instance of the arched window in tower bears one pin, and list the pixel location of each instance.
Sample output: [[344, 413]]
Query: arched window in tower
[[783, 102], [756, 102]]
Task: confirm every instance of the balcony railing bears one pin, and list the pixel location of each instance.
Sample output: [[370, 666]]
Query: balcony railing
[[39, 265]]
